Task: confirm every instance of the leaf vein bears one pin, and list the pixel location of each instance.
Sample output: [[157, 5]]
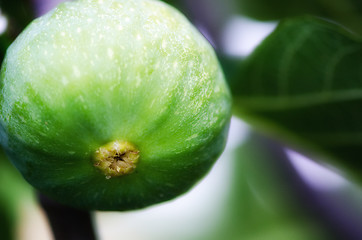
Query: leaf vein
[[299, 101]]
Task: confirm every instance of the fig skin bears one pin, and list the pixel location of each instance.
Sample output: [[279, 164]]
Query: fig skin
[[93, 72]]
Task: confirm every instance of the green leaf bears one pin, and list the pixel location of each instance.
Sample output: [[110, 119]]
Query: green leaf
[[347, 12], [4, 44], [14, 192], [175, 3], [277, 9], [304, 82], [19, 12]]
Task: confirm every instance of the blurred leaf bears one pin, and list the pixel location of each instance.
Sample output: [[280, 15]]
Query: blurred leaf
[[277, 9], [7, 222], [175, 3], [347, 12], [268, 201], [13, 192], [4, 44], [305, 82], [19, 13], [231, 66]]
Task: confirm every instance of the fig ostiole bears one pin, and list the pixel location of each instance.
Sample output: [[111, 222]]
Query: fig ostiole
[[113, 104], [116, 158]]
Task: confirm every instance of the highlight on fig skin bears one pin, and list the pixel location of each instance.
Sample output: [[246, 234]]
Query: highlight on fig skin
[[116, 158]]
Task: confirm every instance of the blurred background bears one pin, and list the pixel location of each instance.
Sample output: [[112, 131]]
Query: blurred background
[[259, 189]]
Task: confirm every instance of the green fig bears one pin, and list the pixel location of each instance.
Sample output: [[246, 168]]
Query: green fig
[[113, 104]]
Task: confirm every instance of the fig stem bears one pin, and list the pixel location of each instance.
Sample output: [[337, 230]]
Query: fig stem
[[67, 223]]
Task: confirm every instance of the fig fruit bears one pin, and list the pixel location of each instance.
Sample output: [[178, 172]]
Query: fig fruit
[[113, 104]]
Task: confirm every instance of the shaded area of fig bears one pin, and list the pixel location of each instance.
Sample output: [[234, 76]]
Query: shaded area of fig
[[74, 181]]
